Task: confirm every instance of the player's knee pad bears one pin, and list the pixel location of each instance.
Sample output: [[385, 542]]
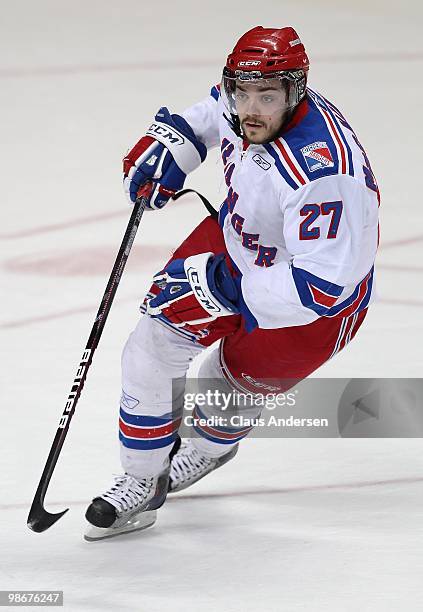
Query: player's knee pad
[[154, 365]]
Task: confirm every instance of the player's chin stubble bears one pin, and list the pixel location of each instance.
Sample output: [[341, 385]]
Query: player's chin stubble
[[261, 135], [254, 135]]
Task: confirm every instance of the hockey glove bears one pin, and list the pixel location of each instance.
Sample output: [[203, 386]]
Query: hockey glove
[[194, 292], [168, 152]]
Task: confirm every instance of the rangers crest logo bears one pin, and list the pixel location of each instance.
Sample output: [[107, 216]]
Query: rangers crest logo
[[317, 156]]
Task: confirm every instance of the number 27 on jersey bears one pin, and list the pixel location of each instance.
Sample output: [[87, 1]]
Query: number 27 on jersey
[[312, 212]]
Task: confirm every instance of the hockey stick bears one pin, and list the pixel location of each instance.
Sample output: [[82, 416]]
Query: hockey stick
[[39, 519]]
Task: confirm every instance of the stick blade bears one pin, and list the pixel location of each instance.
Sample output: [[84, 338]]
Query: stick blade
[[40, 520]]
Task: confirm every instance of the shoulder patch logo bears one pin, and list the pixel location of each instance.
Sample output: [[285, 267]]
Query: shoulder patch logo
[[260, 161], [317, 156]]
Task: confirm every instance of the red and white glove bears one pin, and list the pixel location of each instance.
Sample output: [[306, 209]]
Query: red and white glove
[[194, 292], [169, 151]]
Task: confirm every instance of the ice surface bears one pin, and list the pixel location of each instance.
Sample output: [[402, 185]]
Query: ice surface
[[290, 524]]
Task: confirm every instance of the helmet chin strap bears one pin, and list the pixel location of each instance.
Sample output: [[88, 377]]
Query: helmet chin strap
[[234, 124]]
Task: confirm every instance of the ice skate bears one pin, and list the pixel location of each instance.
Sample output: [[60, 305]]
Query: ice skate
[[129, 505], [189, 465]]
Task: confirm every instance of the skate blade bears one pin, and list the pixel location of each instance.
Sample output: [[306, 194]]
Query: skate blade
[[140, 521]]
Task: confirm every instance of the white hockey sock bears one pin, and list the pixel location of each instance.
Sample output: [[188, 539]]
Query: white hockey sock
[[153, 357], [210, 449], [140, 464]]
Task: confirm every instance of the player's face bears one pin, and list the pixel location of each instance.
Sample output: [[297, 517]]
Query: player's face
[[261, 109]]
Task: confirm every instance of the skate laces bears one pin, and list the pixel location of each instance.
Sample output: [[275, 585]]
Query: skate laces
[[188, 462], [127, 493]]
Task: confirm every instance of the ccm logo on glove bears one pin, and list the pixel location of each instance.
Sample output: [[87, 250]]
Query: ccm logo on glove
[[194, 292], [157, 129], [199, 292], [169, 151]]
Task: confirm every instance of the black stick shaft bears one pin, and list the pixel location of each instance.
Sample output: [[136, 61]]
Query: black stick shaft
[[39, 519]]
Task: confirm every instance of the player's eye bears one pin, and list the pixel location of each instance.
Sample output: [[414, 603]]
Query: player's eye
[[241, 96], [267, 99]]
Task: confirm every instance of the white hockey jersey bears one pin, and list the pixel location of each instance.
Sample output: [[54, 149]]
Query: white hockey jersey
[[300, 221]]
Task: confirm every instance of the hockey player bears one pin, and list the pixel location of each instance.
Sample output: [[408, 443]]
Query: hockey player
[[283, 279]]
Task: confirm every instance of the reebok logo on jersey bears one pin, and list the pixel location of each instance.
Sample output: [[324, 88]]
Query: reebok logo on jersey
[[317, 156], [261, 162], [128, 401]]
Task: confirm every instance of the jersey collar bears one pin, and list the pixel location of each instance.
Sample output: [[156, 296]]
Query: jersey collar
[[297, 117]]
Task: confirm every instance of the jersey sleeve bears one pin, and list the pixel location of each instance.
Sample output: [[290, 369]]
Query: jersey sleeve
[[203, 118], [331, 232]]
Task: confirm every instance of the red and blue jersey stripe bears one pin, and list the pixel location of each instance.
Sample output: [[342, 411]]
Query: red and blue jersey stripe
[[332, 116], [315, 292], [319, 124], [220, 435], [285, 165], [215, 92], [147, 432], [321, 295], [357, 301]]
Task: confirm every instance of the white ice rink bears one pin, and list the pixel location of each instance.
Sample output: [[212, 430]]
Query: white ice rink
[[298, 524]]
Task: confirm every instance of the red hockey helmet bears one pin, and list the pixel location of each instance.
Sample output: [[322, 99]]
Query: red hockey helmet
[[263, 54]]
